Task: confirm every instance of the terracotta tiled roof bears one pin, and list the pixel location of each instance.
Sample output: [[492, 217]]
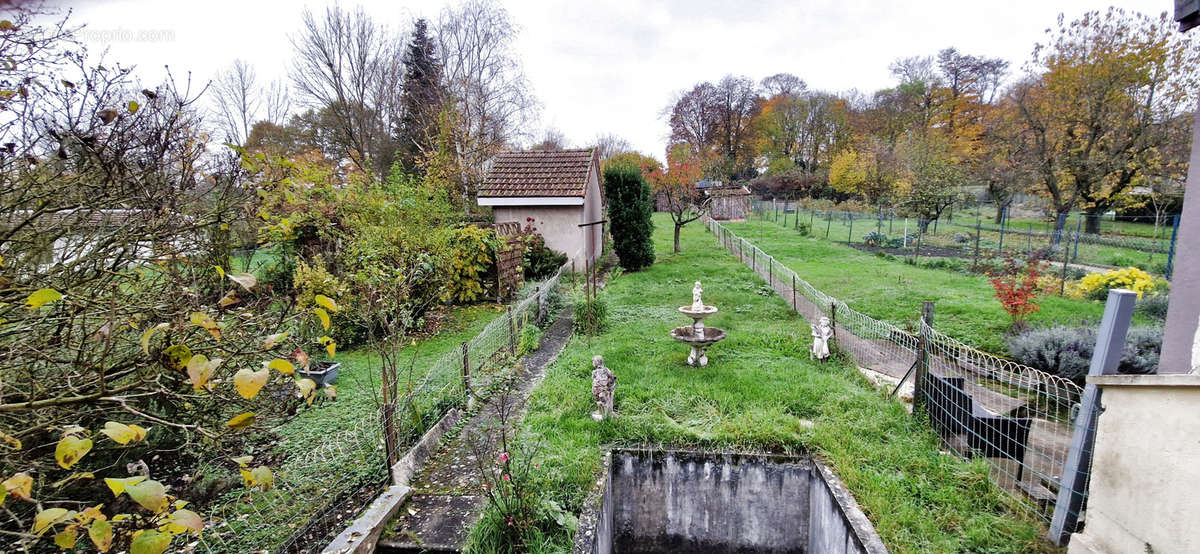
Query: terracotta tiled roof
[[538, 173]]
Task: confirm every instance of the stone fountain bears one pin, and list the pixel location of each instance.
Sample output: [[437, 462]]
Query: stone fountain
[[697, 335]]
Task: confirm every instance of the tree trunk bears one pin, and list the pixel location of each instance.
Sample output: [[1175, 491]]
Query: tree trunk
[[677, 228], [1091, 222], [1000, 213], [923, 225]]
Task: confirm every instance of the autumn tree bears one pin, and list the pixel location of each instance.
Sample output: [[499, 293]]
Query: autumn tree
[[930, 178], [870, 171], [1096, 105], [676, 187]]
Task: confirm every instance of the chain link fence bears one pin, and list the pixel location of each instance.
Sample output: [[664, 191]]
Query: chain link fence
[[319, 492], [1016, 417]]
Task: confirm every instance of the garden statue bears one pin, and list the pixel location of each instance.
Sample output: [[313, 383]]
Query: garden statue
[[697, 304], [604, 385], [821, 335]]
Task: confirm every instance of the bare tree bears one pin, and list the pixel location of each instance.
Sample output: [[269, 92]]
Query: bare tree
[[237, 98], [609, 145], [783, 83], [552, 139], [694, 118], [278, 102], [350, 67], [486, 85]]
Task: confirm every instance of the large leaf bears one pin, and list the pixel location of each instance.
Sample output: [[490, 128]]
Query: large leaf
[[101, 533], [41, 297], [246, 280], [273, 340], [150, 542], [306, 389], [118, 486], [182, 521], [151, 494], [66, 538], [243, 460], [229, 299], [70, 449], [207, 322], [283, 366], [261, 477], [323, 316], [326, 302], [176, 357], [150, 333], [20, 486], [200, 369], [241, 421], [330, 346], [248, 383], [46, 519], [123, 434]]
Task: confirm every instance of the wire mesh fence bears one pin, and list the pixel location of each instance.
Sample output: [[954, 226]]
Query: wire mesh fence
[[317, 493], [1121, 242], [1016, 417]]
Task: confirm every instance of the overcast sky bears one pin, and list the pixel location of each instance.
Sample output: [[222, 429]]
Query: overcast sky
[[611, 67]]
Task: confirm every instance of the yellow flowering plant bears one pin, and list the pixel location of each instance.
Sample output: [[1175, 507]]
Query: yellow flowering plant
[[1096, 285]]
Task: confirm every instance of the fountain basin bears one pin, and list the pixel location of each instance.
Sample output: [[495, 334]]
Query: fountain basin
[[687, 333], [688, 311]]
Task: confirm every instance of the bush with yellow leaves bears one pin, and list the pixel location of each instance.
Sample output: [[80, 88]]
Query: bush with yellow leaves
[[1095, 286]]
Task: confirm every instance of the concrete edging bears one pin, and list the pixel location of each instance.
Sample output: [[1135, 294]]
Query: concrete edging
[[362, 535]]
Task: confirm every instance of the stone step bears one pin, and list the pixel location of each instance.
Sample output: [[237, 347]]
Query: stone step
[[432, 523]]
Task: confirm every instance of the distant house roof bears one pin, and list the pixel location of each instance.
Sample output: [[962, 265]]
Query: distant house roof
[[727, 190], [538, 173], [708, 183]]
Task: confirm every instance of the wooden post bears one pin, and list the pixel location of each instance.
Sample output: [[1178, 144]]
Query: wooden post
[[512, 333], [833, 317], [978, 232], [466, 370], [794, 306], [1110, 341], [922, 358]]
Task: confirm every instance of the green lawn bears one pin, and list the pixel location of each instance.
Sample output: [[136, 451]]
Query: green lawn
[[1132, 247], [759, 392], [891, 290]]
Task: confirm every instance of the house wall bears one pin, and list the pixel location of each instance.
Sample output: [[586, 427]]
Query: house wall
[[1145, 483], [559, 225]]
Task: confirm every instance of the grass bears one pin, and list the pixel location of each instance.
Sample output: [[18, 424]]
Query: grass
[[759, 392], [1133, 239], [892, 290]]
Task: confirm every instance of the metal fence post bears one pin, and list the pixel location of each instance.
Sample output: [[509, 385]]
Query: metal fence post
[[1003, 224], [811, 215], [919, 234], [1171, 250], [833, 318], [1029, 239], [1078, 222], [828, 222], [1118, 313], [850, 235], [922, 357]]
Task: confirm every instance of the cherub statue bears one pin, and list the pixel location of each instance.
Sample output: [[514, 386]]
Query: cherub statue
[[604, 385], [697, 303], [821, 335]]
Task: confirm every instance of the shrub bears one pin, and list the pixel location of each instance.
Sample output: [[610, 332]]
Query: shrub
[[630, 208], [1016, 286], [895, 243], [1067, 351], [540, 261], [875, 238], [591, 317], [804, 229], [470, 261], [962, 238], [1096, 285], [1154, 305]]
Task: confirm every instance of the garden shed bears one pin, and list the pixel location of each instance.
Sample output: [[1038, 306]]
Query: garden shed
[[727, 202], [555, 191]]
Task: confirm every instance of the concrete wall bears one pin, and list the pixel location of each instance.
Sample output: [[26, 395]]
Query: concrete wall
[[678, 501], [1145, 484]]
